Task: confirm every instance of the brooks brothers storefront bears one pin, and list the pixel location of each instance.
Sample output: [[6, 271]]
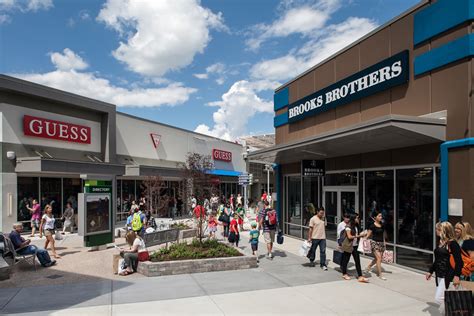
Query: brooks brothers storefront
[[384, 125], [51, 141]]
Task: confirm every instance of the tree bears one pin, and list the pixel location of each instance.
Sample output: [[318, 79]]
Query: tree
[[197, 174], [153, 187]]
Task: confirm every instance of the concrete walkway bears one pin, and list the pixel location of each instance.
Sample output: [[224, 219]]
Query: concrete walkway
[[285, 285]]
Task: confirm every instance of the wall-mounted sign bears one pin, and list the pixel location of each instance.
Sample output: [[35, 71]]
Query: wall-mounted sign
[[45, 128], [156, 139], [222, 155], [388, 73], [313, 168]]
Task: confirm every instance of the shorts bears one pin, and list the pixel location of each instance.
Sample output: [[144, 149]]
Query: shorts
[[269, 236], [49, 232], [35, 223], [254, 247], [212, 229], [377, 246]]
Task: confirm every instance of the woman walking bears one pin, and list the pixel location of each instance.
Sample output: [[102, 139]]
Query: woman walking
[[35, 211], [377, 234], [47, 226], [225, 218], [350, 245], [444, 272]]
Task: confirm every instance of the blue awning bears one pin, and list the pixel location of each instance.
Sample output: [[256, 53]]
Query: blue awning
[[229, 173]]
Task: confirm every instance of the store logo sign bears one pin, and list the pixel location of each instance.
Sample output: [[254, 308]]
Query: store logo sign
[[45, 128], [313, 168], [222, 155], [156, 139], [386, 74]]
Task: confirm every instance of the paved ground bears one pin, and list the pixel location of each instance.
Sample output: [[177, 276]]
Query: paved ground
[[285, 285]]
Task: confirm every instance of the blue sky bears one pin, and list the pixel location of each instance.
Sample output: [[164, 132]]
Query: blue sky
[[209, 66]]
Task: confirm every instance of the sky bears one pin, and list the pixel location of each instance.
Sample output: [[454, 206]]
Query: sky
[[209, 66]]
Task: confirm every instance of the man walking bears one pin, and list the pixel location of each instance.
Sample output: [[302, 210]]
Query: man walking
[[268, 220], [317, 237]]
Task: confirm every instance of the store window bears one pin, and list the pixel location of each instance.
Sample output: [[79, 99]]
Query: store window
[[71, 188], [379, 198], [310, 198], [294, 209], [414, 259], [128, 194], [415, 207], [51, 194], [28, 189], [338, 179]]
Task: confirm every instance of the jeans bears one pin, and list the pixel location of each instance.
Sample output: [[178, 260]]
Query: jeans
[[131, 260], [41, 254], [226, 230], [346, 256], [322, 251]]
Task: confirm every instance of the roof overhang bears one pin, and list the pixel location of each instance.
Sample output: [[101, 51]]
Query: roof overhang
[[47, 165], [143, 170], [384, 133]]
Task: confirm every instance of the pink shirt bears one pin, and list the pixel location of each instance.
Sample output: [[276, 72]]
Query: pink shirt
[[36, 212]]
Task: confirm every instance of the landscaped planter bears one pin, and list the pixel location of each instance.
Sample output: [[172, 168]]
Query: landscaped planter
[[151, 269]]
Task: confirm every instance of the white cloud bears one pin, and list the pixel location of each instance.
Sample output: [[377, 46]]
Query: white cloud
[[326, 42], [304, 19], [219, 70], [8, 6], [68, 61], [160, 36], [67, 77], [201, 76], [236, 107]]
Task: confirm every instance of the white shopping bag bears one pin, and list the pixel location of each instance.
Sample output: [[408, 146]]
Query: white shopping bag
[[305, 246], [121, 266], [58, 236]]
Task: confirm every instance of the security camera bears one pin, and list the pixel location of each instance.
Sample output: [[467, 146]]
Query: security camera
[[11, 155]]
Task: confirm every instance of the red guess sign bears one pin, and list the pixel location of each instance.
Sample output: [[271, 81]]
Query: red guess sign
[[222, 155], [44, 128]]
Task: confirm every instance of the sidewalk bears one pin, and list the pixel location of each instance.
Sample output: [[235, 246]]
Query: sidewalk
[[284, 285]]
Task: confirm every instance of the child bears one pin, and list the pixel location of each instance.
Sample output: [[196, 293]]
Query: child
[[212, 225], [254, 234], [241, 212], [234, 229]]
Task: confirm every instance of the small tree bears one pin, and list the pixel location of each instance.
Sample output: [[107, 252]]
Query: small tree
[[152, 187], [197, 173]]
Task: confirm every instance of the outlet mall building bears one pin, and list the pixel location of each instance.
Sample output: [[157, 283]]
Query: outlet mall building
[[385, 124], [50, 140]]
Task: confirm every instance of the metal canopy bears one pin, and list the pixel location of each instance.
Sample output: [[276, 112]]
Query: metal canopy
[[41, 164], [384, 133]]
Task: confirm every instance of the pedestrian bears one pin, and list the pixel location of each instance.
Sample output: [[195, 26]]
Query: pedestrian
[[239, 199], [463, 235], [225, 218], [317, 237], [35, 211], [240, 213], [68, 217], [377, 235], [268, 222], [444, 272], [47, 226], [342, 225], [130, 256], [349, 246], [134, 206], [138, 222], [212, 225], [23, 246], [253, 240], [234, 231]]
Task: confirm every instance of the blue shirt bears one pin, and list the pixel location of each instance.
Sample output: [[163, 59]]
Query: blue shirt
[[254, 234], [16, 239]]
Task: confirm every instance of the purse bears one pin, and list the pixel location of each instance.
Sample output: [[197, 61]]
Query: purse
[[144, 256], [280, 237], [337, 257], [231, 237], [458, 302], [387, 256]]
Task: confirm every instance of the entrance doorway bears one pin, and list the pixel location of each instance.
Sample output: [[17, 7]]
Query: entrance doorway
[[337, 201]]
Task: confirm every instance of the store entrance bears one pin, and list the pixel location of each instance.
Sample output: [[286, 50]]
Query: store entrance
[[337, 201]]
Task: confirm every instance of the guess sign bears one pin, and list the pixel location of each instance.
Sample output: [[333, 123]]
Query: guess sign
[[222, 155], [44, 128]]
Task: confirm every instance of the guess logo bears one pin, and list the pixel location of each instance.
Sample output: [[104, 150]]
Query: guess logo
[[222, 155], [44, 128]]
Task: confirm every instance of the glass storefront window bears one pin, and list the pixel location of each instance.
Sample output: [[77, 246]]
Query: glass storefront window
[[28, 190], [128, 194], [294, 230], [361, 198], [310, 198], [330, 198], [415, 207], [294, 211], [120, 216], [71, 188], [346, 178], [51, 194], [414, 259], [379, 198]]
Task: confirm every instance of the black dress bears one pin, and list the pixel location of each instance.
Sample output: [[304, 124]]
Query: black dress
[[442, 267]]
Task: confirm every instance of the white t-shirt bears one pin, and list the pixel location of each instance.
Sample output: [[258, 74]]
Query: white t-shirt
[[140, 243], [48, 222], [340, 228]]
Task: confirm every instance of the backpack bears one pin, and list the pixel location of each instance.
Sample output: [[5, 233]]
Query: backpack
[[137, 223], [271, 217], [468, 264], [342, 237]]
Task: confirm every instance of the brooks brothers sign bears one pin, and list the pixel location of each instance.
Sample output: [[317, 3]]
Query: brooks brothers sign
[[384, 75]]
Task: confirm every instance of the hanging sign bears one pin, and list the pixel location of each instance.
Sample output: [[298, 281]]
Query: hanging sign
[[313, 168]]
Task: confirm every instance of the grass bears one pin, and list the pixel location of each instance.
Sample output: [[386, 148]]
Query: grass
[[181, 226], [195, 250]]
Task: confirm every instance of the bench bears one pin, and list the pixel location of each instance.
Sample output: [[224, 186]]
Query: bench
[[4, 269], [161, 237]]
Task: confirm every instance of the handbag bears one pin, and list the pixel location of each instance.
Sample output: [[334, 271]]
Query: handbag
[[224, 218], [458, 302], [231, 237], [337, 257], [143, 256], [280, 237], [387, 256], [305, 246]]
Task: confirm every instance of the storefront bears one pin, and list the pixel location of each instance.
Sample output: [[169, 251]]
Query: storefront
[[385, 125], [52, 140]]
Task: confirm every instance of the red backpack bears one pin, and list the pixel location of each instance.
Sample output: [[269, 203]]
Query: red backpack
[[271, 216]]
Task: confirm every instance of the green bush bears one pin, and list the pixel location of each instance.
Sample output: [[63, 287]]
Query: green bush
[[195, 250]]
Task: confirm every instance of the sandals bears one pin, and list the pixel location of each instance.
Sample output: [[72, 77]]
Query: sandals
[[362, 280], [346, 277], [124, 273]]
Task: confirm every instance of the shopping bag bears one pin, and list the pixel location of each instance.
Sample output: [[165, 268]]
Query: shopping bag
[[280, 237], [121, 266], [305, 246], [364, 246], [387, 256], [458, 302], [337, 257], [58, 236]]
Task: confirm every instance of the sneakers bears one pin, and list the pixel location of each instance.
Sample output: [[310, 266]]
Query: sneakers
[[312, 264], [50, 264], [269, 256], [382, 278], [324, 268]]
